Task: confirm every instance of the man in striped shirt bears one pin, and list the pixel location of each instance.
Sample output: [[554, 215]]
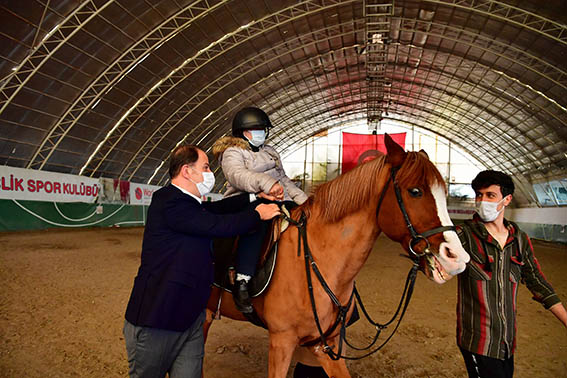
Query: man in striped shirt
[[501, 257]]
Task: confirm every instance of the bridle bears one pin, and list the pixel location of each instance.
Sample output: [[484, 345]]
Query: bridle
[[415, 236], [310, 264]]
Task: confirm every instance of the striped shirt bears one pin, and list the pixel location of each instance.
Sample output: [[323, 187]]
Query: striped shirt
[[488, 288]]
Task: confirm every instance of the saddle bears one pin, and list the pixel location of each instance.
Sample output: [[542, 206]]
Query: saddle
[[224, 257]]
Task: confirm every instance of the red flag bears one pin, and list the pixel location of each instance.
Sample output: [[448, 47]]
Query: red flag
[[358, 148]]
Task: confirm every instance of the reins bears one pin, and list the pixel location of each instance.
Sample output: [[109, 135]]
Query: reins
[[310, 264]]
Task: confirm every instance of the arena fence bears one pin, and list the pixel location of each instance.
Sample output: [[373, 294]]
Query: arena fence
[[19, 215]]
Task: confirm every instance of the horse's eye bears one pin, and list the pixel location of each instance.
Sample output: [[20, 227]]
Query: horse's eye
[[415, 192]]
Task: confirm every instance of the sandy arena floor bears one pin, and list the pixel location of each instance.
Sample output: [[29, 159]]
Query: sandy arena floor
[[63, 295]]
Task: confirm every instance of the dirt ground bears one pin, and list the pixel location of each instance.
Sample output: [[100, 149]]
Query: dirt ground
[[63, 295]]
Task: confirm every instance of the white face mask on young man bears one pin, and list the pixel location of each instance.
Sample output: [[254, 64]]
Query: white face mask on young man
[[204, 187], [258, 137], [488, 211]]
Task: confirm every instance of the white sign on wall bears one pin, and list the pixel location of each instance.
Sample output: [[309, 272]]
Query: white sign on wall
[[34, 185], [141, 194]]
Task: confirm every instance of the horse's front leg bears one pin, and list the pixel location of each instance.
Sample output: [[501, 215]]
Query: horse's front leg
[[281, 350], [333, 368]]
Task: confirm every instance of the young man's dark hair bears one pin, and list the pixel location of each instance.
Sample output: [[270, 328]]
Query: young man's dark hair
[[486, 178], [185, 154]]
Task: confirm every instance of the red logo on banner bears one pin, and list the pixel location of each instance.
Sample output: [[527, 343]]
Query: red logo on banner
[[359, 148], [138, 192]]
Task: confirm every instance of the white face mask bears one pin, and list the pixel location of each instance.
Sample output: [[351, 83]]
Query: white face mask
[[488, 211], [204, 187], [258, 137]]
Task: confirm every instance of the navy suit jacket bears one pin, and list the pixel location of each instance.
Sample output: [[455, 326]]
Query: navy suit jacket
[[176, 272]]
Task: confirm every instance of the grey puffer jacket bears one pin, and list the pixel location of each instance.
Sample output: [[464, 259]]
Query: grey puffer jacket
[[253, 172]]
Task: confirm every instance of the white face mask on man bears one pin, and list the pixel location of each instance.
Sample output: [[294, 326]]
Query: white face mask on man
[[488, 211], [204, 187], [258, 137]]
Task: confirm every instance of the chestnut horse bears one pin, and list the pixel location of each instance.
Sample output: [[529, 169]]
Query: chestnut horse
[[343, 219]]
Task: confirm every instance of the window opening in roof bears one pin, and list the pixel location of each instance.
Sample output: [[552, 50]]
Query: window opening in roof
[[551, 193]]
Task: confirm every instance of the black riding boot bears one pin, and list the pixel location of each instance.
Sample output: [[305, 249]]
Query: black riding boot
[[241, 297]]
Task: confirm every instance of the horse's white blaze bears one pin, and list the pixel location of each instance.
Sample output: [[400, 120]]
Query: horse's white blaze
[[452, 256]]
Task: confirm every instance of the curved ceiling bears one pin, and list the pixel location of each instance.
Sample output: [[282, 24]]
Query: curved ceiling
[[109, 88]]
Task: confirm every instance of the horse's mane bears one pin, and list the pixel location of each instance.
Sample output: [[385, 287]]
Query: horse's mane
[[351, 191]]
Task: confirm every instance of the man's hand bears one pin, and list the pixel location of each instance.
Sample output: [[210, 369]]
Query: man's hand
[[268, 210], [277, 191]]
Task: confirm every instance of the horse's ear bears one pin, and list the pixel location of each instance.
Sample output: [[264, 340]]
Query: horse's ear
[[396, 154], [422, 152]]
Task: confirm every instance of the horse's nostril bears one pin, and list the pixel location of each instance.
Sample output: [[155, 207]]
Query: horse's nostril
[[450, 254]]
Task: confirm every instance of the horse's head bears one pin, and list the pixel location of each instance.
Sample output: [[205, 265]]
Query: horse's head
[[413, 212]]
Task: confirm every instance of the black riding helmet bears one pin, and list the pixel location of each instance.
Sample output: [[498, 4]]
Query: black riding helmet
[[250, 119]]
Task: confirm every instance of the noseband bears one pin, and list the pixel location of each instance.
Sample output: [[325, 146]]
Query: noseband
[[415, 236]]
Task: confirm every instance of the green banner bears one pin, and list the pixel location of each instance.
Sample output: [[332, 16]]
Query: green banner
[[18, 215]]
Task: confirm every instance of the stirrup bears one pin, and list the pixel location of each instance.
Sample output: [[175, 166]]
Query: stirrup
[[241, 297]]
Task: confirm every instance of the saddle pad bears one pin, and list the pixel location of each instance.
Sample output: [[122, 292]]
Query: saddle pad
[[259, 283]]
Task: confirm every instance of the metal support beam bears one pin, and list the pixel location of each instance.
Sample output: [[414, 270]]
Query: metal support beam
[[378, 15]]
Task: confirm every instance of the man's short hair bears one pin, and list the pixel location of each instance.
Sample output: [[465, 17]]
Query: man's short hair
[[486, 178], [184, 154]]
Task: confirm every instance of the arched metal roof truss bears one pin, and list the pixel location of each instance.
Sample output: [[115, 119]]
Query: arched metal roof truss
[[109, 87]]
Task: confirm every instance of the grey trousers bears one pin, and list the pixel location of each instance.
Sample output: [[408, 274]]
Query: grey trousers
[[154, 352]]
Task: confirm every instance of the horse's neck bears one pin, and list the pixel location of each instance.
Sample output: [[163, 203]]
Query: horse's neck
[[344, 246]]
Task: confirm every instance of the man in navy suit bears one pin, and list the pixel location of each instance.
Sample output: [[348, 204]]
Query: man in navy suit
[[163, 329]]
